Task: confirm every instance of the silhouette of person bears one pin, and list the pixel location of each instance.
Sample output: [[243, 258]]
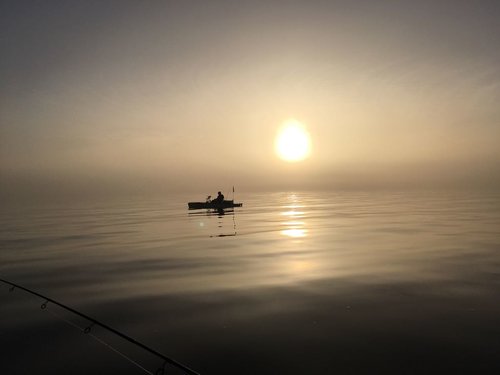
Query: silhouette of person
[[219, 199]]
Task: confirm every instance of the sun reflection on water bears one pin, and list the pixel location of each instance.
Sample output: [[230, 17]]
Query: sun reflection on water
[[294, 232], [293, 228]]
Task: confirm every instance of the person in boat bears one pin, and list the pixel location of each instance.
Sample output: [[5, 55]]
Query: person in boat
[[219, 199]]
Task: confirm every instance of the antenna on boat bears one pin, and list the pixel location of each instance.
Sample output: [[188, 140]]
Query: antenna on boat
[[233, 193]]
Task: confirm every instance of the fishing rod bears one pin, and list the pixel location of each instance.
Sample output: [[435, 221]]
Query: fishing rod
[[94, 322]]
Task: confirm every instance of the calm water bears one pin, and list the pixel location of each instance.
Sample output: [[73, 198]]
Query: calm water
[[295, 283]]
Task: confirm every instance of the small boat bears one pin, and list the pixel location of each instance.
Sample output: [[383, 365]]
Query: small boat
[[214, 205]]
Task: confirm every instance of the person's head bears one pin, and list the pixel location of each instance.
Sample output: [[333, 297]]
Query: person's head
[[219, 193]]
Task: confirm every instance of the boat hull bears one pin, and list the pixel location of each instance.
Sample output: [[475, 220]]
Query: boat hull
[[213, 205]]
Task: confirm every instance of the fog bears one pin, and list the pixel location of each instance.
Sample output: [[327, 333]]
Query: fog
[[122, 98]]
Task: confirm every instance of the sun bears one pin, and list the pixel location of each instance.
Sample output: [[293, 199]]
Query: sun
[[293, 142]]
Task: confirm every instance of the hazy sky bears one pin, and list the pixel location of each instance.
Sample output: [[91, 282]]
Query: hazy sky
[[168, 95]]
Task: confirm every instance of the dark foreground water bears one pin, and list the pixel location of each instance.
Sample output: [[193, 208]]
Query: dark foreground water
[[291, 283]]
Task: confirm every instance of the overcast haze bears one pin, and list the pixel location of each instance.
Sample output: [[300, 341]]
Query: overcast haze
[[157, 96]]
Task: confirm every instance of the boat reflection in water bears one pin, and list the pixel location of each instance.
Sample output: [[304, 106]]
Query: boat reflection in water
[[225, 226]]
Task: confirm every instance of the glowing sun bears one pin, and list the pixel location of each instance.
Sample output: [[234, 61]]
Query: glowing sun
[[292, 142]]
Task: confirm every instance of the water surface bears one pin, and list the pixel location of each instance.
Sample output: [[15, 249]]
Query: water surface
[[295, 282]]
